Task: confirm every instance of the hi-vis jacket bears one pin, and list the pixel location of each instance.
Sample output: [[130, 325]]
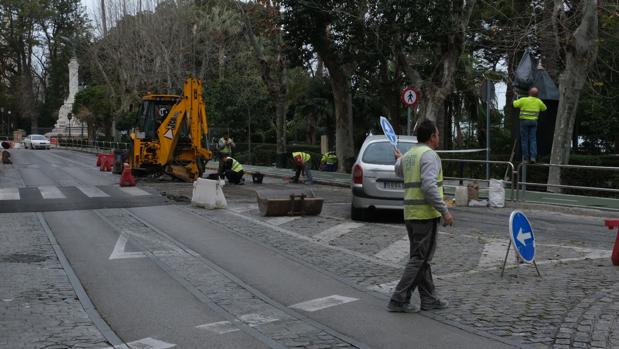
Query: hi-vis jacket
[[529, 107], [423, 183]]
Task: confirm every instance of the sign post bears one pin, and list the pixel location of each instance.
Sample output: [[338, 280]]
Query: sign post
[[410, 99], [521, 235], [389, 131]]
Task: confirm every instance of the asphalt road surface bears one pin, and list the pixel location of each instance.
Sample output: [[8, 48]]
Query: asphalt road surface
[[163, 274]]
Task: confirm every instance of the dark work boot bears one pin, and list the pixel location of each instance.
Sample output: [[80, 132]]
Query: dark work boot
[[402, 308], [435, 304]]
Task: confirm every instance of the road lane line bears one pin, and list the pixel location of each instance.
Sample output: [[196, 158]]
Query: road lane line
[[148, 343], [282, 220], [323, 303], [134, 191], [396, 251], [91, 191], [252, 320], [9, 194], [51, 192], [337, 231]]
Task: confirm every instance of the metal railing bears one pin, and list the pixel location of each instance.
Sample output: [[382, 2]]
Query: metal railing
[[510, 166], [92, 146], [522, 173]]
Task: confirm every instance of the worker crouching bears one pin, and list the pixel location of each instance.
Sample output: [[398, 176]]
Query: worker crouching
[[302, 163], [231, 170]]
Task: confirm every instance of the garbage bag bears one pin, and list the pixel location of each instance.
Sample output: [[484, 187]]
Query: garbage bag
[[208, 194], [496, 193], [525, 72]]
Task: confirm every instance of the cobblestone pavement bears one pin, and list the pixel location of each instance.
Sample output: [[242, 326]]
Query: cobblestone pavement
[[249, 309], [574, 304], [38, 307]]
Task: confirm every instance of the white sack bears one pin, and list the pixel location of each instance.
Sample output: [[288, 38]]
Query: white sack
[[208, 194], [496, 193]]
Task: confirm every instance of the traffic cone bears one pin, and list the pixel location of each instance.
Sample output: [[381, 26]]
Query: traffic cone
[[99, 156], [126, 178]]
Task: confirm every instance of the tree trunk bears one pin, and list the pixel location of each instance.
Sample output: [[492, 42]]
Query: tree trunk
[[581, 52], [342, 98]]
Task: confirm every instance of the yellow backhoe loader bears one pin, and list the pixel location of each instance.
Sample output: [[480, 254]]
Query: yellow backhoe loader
[[171, 134]]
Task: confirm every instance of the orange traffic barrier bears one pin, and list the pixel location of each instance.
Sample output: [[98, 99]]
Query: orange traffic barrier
[[107, 161]]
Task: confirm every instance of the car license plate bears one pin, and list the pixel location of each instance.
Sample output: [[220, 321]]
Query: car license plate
[[393, 185]]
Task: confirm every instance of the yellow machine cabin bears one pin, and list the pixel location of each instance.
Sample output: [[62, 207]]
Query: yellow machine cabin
[[171, 133]]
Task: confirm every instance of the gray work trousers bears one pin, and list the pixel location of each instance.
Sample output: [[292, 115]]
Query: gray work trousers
[[418, 273]]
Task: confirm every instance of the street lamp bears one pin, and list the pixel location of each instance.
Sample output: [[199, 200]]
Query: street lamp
[[70, 116], [9, 124]]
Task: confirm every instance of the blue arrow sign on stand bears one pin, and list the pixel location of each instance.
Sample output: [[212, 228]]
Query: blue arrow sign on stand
[[521, 233], [389, 132]]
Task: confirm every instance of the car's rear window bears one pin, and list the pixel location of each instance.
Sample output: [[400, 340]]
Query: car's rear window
[[381, 153], [39, 138]]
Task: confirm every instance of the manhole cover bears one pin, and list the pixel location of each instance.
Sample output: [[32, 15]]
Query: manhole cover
[[22, 258]]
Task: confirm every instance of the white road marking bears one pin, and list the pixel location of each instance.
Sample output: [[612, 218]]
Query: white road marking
[[396, 251], [221, 327], [9, 194], [493, 254], [119, 250], [134, 191], [92, 192], [252, 320], [336, 231], [309, 239], [146, 343], [323, 303], [51, 192], [171, 249], [282, 220]]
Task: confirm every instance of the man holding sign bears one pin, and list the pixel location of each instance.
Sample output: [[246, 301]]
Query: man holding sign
[[423, 208]]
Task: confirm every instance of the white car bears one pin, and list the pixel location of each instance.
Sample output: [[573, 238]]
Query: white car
[[36, 142], [374, 183]]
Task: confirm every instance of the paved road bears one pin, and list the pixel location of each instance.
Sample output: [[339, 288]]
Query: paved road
[[163, 275]]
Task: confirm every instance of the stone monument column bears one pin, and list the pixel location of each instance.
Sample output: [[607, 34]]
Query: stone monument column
[[63, 124]]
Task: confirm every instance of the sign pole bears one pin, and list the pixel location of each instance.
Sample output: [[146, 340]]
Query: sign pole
[[409, 120], [488, 129]]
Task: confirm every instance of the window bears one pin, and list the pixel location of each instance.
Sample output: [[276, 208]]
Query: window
[[381, 153], [39, 138]]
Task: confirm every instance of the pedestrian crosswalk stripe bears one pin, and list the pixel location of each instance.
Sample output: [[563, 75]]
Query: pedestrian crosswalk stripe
[[9, 194], [134, 191], [323, 303], [395, 252], [336, 231], [51, 192], [92, 192]]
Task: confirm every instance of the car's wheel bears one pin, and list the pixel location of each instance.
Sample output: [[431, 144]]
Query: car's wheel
[[358, 214]]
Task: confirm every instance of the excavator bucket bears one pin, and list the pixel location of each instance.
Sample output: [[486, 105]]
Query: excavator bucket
[[289, 203]]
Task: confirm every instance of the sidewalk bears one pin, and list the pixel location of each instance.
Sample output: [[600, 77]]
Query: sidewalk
[[38, 305], [344, 180]]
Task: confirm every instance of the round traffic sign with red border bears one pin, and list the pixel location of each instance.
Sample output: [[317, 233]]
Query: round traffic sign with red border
[[410, 97]]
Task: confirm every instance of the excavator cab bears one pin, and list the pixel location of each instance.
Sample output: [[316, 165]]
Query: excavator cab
[[170, 134]]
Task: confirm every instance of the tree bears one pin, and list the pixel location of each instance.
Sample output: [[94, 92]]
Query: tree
[[92, 107], [580, 50]]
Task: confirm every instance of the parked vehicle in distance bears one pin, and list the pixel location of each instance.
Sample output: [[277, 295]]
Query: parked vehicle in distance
[[35, 141], [374, 183]]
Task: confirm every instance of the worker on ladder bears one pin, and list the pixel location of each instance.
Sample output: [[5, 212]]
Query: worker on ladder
[[530, 107], [231, 169]]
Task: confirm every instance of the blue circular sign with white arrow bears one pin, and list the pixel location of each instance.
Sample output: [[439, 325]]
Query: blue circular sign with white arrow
[[521, 233], [388, 130]]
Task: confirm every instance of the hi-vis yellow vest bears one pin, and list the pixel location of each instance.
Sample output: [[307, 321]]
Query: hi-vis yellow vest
[[304, 156], [529, 107], [415, 206], [236, 166]]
